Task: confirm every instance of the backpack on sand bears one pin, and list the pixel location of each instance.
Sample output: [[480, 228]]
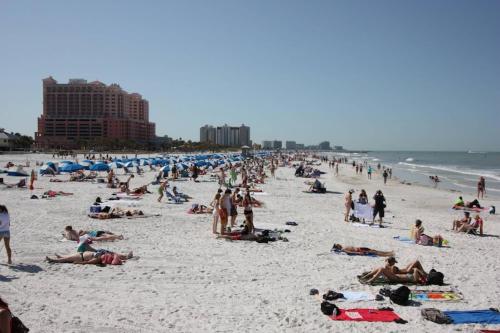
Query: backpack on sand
[[400, 295], [435, 316]]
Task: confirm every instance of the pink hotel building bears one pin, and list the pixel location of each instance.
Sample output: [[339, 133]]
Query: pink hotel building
[[77, 111]]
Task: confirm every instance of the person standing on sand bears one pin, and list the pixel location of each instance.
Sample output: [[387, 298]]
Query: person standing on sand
[[5, 231], [348, 205], [379, 207], [370, 172], [337, 169], [481, 187], [215, 213], [385, 175], [225, 210]]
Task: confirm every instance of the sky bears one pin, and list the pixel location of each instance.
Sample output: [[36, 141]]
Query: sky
[[374, 75]]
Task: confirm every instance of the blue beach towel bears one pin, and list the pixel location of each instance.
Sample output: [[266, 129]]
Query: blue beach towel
[[403, 239], [474, 317]]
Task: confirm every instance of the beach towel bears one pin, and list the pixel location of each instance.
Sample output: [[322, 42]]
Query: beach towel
[[363, 211], [356, 296], [474, 317], [371, 315], [366, 225], [354, 254], [404, 239], [435, 296]]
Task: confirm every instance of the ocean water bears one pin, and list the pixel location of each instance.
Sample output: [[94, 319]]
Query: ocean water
[[457, 170]]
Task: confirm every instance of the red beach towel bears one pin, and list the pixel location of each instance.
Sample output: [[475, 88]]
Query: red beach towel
[[366, 315]]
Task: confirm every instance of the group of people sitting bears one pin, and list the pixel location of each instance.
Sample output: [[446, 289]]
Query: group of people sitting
[[469, 225]]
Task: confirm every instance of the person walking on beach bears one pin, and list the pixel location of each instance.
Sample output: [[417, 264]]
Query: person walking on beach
[[222, 177], [379, 207], [161, 190], [369, 172], [5, 231], [348, 205], [385, 175], [337, 169], [481, 187]]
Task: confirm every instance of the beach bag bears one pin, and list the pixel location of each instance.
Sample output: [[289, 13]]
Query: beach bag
[[329, 308], [332, 295], [435, 277], [18, 326], [435, 316], [400, 295], [492, 210]]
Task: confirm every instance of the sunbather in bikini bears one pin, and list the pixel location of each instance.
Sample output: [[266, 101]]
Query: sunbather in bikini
[[413, 273], [90, 258], [117, 212], [94, 235], [361, 251]]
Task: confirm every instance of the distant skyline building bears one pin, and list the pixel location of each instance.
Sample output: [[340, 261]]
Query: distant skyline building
[[325, 145], [78, 111], [291, 145], [229, 136], [277, 144], [267, 144]]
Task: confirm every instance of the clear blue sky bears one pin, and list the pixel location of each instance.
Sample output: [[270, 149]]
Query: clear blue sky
[[410, 75]]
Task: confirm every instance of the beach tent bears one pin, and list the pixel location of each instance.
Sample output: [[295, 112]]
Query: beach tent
[[100, 167]]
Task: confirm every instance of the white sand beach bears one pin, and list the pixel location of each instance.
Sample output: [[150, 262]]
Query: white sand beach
[[185, 280]]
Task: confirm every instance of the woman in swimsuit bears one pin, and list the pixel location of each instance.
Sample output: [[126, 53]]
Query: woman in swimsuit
[[94, 235], [348, 205], [215, 212], [87, 257], [361, 251], [248, 212]]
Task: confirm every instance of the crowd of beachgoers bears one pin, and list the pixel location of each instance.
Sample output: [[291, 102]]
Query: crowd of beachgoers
[[236, 189]]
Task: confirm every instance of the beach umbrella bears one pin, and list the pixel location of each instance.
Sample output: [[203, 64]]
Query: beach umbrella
[[144, 162], [67, 162], [100, 167], [201, 163], [71, 167], [166, 168], [115, 165], [131, 164]]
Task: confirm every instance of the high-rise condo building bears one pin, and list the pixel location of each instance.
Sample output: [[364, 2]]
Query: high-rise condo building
[[77, 111], [229, 136]]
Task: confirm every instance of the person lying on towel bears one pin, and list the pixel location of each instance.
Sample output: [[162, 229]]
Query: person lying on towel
[[361, 251], [94, 235], [413, 273], [100, 257]]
